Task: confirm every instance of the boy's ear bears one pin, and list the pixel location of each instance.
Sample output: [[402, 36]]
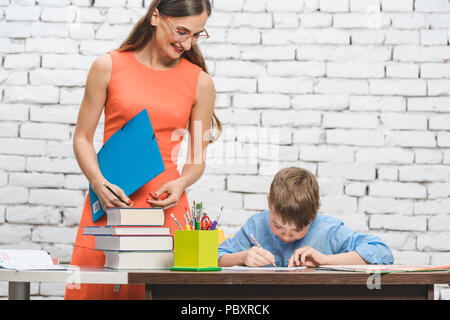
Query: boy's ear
[[268, 201]]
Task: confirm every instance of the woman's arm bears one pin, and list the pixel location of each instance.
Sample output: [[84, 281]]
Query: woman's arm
[[199, 133], [88, 116], [199, 130]]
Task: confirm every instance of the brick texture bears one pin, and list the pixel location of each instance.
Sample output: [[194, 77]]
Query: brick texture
[[355, 91]]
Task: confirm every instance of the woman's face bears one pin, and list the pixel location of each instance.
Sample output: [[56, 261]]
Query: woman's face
[[167, 38]]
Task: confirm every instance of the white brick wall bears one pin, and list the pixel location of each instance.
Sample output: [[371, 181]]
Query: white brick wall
[[357, 91]]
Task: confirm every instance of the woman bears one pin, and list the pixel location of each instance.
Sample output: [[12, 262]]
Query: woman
[[158, 67]]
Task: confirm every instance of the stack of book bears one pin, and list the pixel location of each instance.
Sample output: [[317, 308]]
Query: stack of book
[[134, 238]]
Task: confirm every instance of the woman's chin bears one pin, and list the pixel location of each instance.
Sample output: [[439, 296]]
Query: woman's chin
[[176, 51]]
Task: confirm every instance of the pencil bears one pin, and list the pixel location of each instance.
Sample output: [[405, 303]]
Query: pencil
[[115, 194], [259, 246], [176, 221], [188, 215]]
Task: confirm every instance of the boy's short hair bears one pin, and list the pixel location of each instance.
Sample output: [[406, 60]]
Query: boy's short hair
[[294, 195]]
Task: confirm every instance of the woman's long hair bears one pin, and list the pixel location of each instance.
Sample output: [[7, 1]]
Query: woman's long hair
[[143, 32]]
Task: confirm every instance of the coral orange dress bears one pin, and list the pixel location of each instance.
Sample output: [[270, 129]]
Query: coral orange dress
[[168, 95]]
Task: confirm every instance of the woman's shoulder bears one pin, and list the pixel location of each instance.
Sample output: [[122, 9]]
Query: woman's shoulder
[[205, 82], [102, 64], [99, 73]]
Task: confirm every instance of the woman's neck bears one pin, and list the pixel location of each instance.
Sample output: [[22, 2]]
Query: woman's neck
[[151, 56]]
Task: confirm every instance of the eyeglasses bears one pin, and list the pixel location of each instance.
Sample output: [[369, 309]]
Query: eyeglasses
[[182, 34]]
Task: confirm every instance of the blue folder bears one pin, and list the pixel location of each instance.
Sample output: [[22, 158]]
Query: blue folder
[[129, 159]]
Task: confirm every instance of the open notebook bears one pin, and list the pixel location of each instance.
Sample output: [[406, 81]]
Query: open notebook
[[263, 268], [370, 268], [27, 260]]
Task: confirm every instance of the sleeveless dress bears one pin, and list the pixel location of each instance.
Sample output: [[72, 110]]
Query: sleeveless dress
[[168, 95]]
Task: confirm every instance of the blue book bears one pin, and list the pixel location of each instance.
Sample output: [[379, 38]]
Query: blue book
[[129, 159]]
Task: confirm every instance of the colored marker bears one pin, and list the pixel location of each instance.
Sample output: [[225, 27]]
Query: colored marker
[[214, 224], [199, 215], [194, 216]]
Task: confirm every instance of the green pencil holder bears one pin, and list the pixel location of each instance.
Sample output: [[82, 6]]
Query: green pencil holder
[[196, 250]]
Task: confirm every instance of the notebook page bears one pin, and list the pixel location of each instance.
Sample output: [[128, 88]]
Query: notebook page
[[26, 260], [263, 268]]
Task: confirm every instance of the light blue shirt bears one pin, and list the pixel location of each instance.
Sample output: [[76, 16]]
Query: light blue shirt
[[326, 234]]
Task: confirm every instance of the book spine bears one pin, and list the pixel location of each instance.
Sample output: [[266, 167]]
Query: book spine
[[103, 242]]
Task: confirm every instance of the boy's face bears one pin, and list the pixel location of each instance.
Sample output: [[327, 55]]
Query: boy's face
[[287, 232]]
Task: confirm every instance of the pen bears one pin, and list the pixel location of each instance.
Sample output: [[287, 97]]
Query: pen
[[115, 194], [153, 196], [176, 221], [162, 196], [257, 243]]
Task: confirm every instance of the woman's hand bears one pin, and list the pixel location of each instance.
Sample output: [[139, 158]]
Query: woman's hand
[[307, 256], [257, 257], [107, 198], [174, 189]]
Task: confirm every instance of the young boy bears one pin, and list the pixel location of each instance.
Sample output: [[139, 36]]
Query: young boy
[[291, 233]]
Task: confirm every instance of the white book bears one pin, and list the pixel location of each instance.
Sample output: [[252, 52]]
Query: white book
[[139, 259], [131, 243], [125, 230], [135, 216]]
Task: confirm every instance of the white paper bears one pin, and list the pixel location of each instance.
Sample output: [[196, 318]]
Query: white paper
[[26, 260], [264, 268]]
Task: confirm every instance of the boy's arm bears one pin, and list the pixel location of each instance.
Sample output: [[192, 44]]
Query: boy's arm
[[310, 257], [238, 250], [253, 257], [370, 249], [232, 259], [232, 250], [351, 257]]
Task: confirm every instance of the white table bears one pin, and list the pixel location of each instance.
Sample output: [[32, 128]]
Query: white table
[[19, 280]]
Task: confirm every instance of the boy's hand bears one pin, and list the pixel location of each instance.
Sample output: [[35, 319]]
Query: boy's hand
[[307, 256], [257, 257]]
